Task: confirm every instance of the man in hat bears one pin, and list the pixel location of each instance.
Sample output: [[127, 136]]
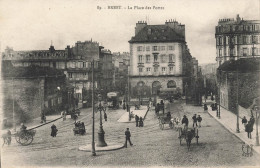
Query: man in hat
[[127, 137]]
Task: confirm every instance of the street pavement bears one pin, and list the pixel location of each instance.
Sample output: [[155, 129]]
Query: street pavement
[[140, 113], [152, 146], [229, 121]]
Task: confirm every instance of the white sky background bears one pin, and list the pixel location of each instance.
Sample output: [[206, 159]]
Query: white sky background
[[31, 24]]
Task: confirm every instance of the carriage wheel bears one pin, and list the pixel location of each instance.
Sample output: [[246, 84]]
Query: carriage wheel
[[25, 139]]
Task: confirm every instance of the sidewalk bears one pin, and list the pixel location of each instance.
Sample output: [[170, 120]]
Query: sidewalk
[[141, 113], [229, 121]]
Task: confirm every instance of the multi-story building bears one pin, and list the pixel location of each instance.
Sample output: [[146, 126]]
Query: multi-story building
[[159, 58], [237, 38], [74, 61]]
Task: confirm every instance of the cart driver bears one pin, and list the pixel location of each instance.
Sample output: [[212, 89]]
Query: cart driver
[[169, 115], [185, 122], [23, 127]]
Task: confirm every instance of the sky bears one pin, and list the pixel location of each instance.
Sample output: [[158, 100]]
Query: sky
[[32, 25]]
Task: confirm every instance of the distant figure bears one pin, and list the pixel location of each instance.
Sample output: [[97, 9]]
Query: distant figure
[[169, 115], [43, 117], [7, 138], [105, 116], [205, 107], [162, 105], [54, 130], [199, 119], [157, 108], [127, 137], [249, 129], [212, 98], [124, 107], [194, 118], [244, 121], [141, 122], [136, 120], [252, 119], [23, 127], [185, 121], [64, 114]]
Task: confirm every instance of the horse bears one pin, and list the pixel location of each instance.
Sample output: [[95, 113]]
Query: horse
[[190, 134], [7, 138]]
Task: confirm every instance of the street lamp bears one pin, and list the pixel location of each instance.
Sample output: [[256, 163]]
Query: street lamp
[[101, 132], [186, 87], [237, 130], [219, 95], [256, 109], [93, 112]]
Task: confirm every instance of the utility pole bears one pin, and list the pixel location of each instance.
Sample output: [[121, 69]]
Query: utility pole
[[237, 130], [93, 111]]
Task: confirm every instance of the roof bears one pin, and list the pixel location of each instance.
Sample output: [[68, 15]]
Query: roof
[[157, 33], [242, 65], [32, 71]]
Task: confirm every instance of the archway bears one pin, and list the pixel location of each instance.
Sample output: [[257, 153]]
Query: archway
[[171, 84]]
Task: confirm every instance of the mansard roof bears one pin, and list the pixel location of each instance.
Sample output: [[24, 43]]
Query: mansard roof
[[157, 33]]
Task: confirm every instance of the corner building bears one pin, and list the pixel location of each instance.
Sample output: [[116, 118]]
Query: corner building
[[159, 58], [237, 38]]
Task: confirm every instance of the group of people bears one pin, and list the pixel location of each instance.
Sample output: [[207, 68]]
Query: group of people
[[196, 119], [139, 121], [248, 125]]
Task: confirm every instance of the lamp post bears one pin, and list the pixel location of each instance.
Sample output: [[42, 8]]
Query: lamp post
[[128, 95], [237, 129], [93, 112], [256, 109], [186, 86], [219, 94], [101, 132]]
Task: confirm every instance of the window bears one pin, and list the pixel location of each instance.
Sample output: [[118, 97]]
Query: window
[[220, 41], [70, 75], [163, 69], [171, 47], [225, 52], [244, 39], [163, 57], [171, 68], [155, 58], [148, 69], [220, 52], [147, 48], [162, 48], [140, 69], [147, 58], [254, 39], [232, 53], [155, 69], [139, 48], [254, 51], [140, 58], [155, 48], [84, 64], [171, 58]]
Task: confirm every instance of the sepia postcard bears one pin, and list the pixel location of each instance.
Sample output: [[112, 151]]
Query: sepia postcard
[[129, 83]]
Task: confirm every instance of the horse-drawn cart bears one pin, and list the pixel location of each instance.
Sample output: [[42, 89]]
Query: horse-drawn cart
[[188, 134], [165, 120], [25, 137]]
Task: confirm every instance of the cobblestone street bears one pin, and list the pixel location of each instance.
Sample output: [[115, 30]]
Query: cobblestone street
[[152, 146]]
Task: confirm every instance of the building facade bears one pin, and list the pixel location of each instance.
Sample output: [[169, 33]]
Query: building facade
[[237, 38], [159, 58], [74, 61]]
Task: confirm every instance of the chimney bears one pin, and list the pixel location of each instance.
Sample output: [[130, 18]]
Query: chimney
[[139, 26]]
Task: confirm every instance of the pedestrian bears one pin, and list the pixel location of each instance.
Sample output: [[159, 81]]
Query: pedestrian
[[194, 118], [23, 127], [127, 137], [43, 117], [141, 122], [64, 114], [157, 108], [252, 119], [124, 107], [136, 120], [244, 121], [249, 129], [162, 105], [105, 116], [205, 108], [54, 130], [199, 119], [169, 115], [212, 98], [185, 121]]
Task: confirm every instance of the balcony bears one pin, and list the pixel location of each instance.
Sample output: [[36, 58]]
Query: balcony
[[140, 64], [171, 63], [156, 64]]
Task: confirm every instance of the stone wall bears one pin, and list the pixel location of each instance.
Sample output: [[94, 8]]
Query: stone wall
[[27, 96]]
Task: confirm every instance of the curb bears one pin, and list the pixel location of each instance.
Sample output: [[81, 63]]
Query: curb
[[45, 123], [232, 132]]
